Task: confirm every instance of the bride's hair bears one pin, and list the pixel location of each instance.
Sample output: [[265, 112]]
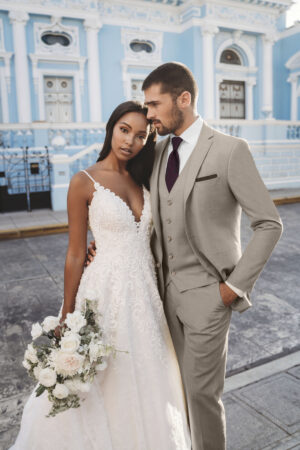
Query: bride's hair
[[140, 167]]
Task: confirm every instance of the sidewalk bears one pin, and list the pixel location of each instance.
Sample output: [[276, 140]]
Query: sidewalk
[[45, 221], [263, 406], [261, 415], [262, 391]]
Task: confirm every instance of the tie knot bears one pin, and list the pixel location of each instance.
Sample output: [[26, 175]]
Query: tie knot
[[176, 141]]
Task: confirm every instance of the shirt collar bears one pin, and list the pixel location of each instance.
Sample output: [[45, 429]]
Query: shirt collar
[[192, 133]]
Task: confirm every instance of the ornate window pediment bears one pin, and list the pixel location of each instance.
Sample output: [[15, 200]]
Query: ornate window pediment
[[294, 62], [55, 38]]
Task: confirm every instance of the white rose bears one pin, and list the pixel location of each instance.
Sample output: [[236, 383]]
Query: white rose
[[26, 364], [70, 343], [37, 371], [60, 391], [102, 366], [94, 351], [30, 354], [36, 330], [75, 321], [50, 323], [66, 364], [76, 385], [47, 377]]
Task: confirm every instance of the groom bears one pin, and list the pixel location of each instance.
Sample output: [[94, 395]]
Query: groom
[[201, 181]]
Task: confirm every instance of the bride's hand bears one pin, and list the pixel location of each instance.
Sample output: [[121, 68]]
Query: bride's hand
[[91, 253], [58, 329]]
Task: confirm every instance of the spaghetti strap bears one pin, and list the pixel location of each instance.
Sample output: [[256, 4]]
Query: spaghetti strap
[[90, 176]]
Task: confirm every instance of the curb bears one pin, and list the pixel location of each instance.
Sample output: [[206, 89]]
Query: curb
[[33, 231], [18, 233]]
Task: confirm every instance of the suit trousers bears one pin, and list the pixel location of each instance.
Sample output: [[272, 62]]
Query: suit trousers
[[199, 324]]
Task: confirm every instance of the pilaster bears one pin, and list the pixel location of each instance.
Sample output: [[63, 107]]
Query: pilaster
[[92, 27], [18, 20], [208, 32]]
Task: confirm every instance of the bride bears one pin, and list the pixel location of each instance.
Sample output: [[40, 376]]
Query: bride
[[137, 403]]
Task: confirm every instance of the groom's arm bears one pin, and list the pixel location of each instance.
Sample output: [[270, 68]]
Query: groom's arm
[[254, 198]]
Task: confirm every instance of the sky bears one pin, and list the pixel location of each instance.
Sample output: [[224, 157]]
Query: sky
[[293, 14]]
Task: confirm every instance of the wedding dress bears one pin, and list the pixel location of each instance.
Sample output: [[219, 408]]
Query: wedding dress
[[137, 403]]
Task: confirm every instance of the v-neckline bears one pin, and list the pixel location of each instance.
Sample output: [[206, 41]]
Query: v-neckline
[[137, 223]]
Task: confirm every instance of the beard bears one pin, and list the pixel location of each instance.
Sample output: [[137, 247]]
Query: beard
[[176, 122]]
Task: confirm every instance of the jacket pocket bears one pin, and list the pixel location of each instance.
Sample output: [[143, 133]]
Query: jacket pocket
[[208, 177]]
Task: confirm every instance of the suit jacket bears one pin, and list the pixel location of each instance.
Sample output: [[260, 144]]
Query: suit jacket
[[222, 181]]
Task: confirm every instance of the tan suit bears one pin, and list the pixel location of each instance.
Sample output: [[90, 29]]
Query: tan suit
[[202, 226]]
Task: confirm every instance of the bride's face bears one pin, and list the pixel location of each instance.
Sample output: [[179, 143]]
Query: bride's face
[[130, 135]]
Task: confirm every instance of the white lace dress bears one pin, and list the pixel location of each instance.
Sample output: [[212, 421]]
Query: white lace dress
[[137, 403]]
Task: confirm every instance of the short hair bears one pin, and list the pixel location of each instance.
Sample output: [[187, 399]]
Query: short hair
[[174, 78]]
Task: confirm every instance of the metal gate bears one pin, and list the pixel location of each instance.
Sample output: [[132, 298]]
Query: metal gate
[[24, 179]]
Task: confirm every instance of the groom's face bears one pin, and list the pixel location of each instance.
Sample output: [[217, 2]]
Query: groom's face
[[162, 110]]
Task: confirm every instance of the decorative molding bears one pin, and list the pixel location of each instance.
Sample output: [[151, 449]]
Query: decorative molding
[[132, 57], [293, 62], [56, 27], [241, 47], [59, 59], [18, 16], [93, 24], [209, 29], [241, 18]]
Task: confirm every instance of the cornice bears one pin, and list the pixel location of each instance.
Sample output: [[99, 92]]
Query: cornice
[[163, 15]]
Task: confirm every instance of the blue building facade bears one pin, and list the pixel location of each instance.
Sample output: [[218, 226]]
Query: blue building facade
[[65, 65]]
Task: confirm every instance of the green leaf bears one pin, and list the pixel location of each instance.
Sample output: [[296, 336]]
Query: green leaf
[[40, 390]]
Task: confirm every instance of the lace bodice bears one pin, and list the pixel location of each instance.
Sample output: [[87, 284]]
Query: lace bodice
[[114, 226]]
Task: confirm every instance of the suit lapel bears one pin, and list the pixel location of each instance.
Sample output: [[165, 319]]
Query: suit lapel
[[154, 186], [197, 157]]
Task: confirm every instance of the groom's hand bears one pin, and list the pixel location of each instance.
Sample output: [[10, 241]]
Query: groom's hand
[[228, 295], [91, 253]]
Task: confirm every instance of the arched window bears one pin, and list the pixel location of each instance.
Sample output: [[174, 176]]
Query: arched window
[[230, 57]]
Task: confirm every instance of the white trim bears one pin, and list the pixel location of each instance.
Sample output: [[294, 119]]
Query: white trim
[[59, 73]]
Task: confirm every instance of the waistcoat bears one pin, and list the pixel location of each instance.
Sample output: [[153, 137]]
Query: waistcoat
[[180, 264]]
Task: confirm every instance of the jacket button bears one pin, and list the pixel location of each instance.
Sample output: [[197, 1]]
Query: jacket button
[[173, 273], [169, 238], [168, 220], [170, 202]]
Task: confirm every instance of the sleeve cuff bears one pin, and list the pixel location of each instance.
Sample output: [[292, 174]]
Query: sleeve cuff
[[238, 292]]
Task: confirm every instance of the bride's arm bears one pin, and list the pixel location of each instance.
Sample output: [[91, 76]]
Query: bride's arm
[[78, 226]]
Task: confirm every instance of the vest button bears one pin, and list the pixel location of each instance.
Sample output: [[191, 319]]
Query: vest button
[[170, 202], [171, 256], [169, 221], [169, 238], [157, 265], [173, 273]]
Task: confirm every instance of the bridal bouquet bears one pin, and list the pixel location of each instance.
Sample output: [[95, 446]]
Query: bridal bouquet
[[66, 366]]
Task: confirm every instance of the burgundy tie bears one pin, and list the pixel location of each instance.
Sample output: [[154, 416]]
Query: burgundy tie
[[172, 171]]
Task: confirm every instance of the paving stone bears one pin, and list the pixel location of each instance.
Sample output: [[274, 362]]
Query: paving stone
[[277, 398], [11, 411], [295, 371], [8, 437], [289, 443], [246, 429]]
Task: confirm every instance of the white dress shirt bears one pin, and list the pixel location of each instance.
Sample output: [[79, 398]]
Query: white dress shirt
[[189, 138]]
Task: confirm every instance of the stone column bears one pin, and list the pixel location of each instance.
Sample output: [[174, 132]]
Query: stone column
[[208, 32], [92, 27], [19, 20], [267, 65], [294, 98]]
